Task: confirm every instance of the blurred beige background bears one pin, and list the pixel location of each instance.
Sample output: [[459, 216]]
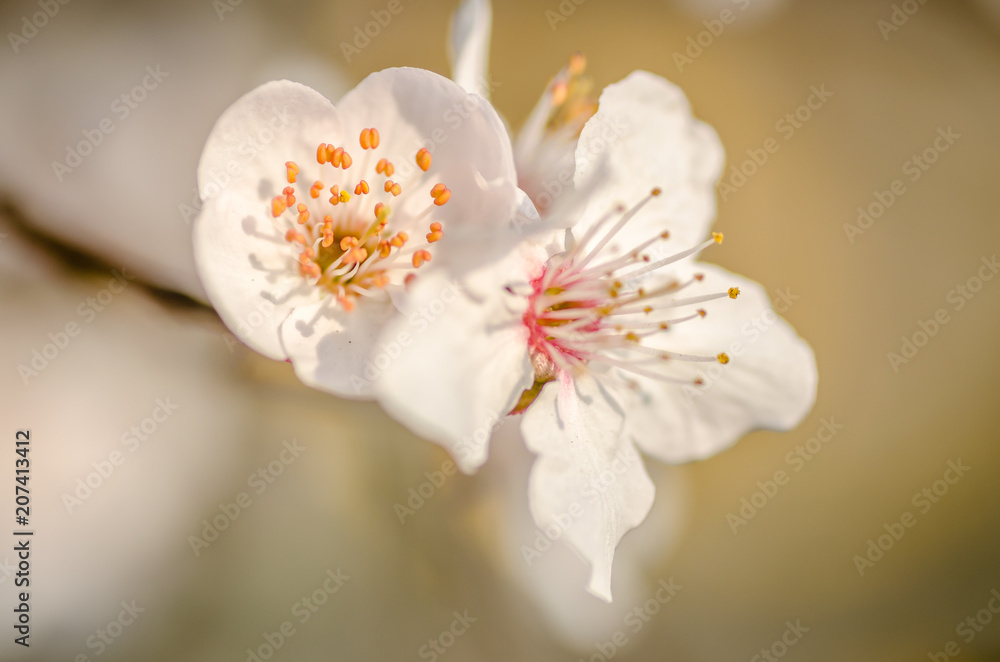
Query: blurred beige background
[[793, 561]]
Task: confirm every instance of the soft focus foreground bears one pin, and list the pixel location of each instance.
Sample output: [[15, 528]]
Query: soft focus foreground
[[870, 532]]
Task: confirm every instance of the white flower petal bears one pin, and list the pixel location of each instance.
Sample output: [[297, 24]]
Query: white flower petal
[[588, 481], [462, 362], [277, 122], [469, 45], [644, 135], [248, 271], [468, 142], [329, 347], [769, 382]]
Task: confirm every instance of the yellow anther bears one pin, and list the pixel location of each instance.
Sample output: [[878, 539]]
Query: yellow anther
[[717, 236], [424, 159], [723, 358], [656, 191], [344, 196], [631, 337], [647, 309], [702, 312], [734, 292]]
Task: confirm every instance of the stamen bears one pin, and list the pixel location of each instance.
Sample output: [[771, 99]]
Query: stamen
[[423, 159]]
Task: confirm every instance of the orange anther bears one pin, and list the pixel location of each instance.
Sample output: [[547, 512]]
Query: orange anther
[[438, 189], [336, 157], [380, 211], [420, 257], [334, 195], [384, 248], [295, 236], [361, 188], [380, 166], [346, 161], [316, 188], [348, 243], [443, 198], [389, 169], [292, 171], [366, 138], [303, 212], [409, 279], [396, 190], [435, 234], [424, 159], [375, 138], [321, 153], [278, 206]]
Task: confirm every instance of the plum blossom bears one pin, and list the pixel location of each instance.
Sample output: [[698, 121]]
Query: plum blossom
[[599, 337], [333, 215]]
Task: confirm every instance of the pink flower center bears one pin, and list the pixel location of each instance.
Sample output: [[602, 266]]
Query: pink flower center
[[584, 311]]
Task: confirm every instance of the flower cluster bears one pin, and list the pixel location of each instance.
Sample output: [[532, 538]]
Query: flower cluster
[[576, 304]]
